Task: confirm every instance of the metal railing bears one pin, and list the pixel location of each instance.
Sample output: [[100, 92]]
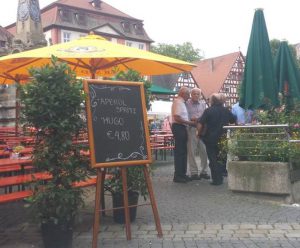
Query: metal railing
[[258, 142]]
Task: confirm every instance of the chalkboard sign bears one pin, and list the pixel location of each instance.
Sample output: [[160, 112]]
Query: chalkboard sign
[[117, 123]]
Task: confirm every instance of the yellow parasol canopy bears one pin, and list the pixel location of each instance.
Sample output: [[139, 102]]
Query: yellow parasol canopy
[[90, 56]]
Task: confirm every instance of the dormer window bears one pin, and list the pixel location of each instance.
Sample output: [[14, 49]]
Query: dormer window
[[65, 15], [80, 18], [138, 28], [2, 43], [96, 4], [126, 27]]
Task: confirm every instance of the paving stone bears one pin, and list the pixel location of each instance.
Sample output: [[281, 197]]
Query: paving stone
[[213, 226], [147, 228], [196, 227], [292, 235], [230, 226], [212, 231], [179, 227], [192, 215], [265, 226], [247, 226], [283, 226]]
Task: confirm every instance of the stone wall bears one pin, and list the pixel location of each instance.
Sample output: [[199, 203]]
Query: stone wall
[[257, 176], [7, 105]]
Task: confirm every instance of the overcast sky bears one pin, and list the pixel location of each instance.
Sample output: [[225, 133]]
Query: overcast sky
[[217, 27]]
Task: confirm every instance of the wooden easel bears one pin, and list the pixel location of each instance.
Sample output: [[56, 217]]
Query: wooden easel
[[121, 104], [99, 190]]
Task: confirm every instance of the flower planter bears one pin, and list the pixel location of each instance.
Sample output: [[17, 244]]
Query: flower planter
[[264, 177]]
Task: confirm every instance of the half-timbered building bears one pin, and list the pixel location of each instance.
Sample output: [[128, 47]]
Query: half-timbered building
[[221, 74]]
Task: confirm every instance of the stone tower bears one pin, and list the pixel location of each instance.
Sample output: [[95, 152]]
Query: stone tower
[[29, 30], [29, 35]]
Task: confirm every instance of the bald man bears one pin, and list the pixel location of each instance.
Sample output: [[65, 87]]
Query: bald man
[[213, 120], [181, 120], [195, 109]]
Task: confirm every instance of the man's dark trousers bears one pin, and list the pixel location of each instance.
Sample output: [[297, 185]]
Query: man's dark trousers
[[180, 152], [215, 167]]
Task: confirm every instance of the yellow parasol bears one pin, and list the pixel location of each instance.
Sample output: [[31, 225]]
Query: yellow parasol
[[90, 56]]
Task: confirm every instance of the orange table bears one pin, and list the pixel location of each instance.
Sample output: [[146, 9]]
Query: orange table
[[9, 161], [162, 142]]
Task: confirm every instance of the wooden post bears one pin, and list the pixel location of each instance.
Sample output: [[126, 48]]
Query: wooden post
[[99, 189], [126, 208], [152, 200]]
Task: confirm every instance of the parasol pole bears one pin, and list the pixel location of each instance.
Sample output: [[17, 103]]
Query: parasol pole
[[92, 68]]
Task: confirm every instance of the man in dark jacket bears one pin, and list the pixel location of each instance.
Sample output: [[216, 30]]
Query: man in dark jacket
[[210, 130]]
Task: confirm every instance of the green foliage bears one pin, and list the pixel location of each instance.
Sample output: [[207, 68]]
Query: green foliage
[[135, 76], [260, 144], [185, 52], [51, 104], [280, 115], [135, 181], [272, 143], [274, 44]]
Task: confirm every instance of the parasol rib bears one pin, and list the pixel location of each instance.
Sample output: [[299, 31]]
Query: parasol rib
[[25, 64]]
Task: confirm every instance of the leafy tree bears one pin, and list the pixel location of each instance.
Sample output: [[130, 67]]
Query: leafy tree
[[274, 44], [52, 105], [185, 52], [135, 76]]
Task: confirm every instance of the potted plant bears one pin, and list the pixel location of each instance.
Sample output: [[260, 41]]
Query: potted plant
[[136, 186], [135, 177], [51, 104], [263, 158]]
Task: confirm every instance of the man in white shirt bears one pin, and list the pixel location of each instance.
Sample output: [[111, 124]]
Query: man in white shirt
[[195, 109], [180, 122]]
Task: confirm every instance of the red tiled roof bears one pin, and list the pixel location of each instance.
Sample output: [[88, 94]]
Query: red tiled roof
[[4, 34], [210, 74], [86, 5], [49, 16], [12, 29], [107, 15]]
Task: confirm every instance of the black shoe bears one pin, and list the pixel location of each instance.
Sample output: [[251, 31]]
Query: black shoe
[[204, 176], [179, 180], [187, 178], [195, 177], [216, 183]]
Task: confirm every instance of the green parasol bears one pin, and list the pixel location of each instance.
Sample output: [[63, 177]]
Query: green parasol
[[156, 89], [259, 87], [287, 74]]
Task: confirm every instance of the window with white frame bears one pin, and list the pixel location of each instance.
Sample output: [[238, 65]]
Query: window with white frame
[[66, 36], [141, 46], [128, 43]]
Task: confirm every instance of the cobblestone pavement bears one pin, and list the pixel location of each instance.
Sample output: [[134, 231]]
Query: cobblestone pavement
[[195, 214]]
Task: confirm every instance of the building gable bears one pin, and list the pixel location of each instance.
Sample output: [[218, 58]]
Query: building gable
[[220, 75]]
